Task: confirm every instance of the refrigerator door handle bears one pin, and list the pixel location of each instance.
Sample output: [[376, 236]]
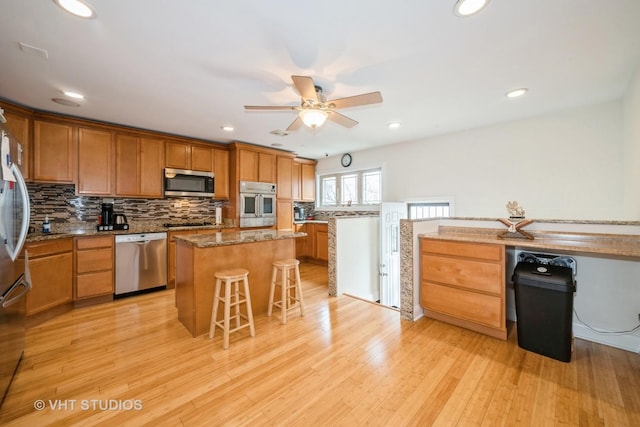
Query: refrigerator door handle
[[21, 187], [7, 302]]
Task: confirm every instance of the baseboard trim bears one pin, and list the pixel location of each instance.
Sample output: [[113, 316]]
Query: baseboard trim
[[624, 342]]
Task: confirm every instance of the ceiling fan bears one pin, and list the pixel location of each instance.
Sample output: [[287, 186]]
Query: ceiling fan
[[315, 108]]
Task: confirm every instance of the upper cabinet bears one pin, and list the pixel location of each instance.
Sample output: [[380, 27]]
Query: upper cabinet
[[54, 149], [95, 162], [284, 177], [184, 155], [19, 126], [221, 171], [256, 166], [139, 164], [304, 180]]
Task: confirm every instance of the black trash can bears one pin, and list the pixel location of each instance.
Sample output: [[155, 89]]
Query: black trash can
[[544, 309]]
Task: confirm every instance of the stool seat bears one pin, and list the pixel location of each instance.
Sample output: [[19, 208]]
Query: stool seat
[[231, 296], [291, 288], [232, 274]]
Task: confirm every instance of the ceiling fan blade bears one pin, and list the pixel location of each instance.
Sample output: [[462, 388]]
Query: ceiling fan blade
[[295, 125], [341, 119], [306, 87], [270, 107], [354, 101]]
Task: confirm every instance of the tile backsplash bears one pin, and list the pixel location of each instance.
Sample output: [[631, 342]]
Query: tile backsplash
[[62, 205]]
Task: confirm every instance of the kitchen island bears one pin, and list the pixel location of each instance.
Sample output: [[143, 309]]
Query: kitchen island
[[198, 257]]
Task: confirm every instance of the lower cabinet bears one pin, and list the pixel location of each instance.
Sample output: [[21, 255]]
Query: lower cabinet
[[51, 267], [94, 261], [314, 247], [464, 284]]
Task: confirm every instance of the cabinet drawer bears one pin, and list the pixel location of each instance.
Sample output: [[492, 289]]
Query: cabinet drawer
[[94, 260], [94, 242], [49, 247], [480, 308], [475, 275], [464, 249], [93, 284]]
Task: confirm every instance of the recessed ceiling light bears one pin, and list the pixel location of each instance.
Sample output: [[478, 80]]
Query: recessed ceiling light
[[469, 7], [393, 125], [74, 95], [65, 102], [227, 128], [77, 8], [515, 93]]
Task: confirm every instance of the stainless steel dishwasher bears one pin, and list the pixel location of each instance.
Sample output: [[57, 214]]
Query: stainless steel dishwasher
[[141, 262]]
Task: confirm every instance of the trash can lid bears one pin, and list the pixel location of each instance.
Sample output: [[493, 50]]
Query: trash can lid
[[554, 277]]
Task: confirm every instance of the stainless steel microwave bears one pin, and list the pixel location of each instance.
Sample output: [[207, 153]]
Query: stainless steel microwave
[[185, 183]]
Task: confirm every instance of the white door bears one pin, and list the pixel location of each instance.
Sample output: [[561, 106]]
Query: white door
[[390, 215]]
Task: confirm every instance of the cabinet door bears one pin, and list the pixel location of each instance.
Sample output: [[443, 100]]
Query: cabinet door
[[296, 179], [221, 170], [266, 167], [201, 158], [248, 165], [285, 178], [322, 242], [151, 165], [52, 282], [19, 127], [284, 213], [54, 150], [301, 242], [308, 182], [178, 155], [127, 165], [95, 162]]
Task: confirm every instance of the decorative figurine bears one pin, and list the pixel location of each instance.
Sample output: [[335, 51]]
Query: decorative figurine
[[515, 222]]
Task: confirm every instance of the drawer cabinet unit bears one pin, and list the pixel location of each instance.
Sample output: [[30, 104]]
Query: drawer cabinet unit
[[93, 266], [464, 284], [51, 267]]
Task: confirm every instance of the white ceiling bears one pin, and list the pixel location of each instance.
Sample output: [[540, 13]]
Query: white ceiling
[[189, 67]]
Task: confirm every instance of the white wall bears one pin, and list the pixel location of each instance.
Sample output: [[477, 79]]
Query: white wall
[[357, 257], [565, 165], [631, 115]]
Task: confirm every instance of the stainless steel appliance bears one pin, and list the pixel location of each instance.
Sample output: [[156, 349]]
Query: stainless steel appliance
[[141, 262], [257, 204], [120, 222], [298, 213], [14, 270], [181, 182]]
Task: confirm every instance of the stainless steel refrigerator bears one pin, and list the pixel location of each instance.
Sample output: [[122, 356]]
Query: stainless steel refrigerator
[[14, 268]]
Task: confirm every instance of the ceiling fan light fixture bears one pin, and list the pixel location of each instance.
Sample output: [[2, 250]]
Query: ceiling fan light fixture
[[77, 7], [313, 118], [469, 7]]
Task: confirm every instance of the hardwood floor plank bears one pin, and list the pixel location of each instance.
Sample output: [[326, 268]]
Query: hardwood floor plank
[[347, 362]]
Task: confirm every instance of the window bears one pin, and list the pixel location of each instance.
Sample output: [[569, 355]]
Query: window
[[424, 210], [351, 188]]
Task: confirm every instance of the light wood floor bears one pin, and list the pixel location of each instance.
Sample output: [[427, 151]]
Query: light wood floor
[[347, 362]]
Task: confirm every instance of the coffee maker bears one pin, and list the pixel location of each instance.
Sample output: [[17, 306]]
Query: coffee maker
[[298, 213], [105, 221]]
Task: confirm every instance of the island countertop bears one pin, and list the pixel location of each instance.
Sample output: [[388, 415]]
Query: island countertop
[[237, 237]]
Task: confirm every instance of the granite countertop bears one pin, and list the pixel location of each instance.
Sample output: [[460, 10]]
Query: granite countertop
[[235, 238], [61, 231], [595, 243]]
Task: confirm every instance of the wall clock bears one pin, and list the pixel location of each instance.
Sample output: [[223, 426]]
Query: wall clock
[[346, 160]]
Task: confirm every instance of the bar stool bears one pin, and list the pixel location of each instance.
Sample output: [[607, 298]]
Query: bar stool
[[288, 299], [231, 298]]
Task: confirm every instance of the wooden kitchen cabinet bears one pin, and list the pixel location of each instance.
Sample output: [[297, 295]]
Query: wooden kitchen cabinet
[[95, 162], [139, 165], [20, 127], [221, 171], [94, 266], [284, 178], [321, 251], [314, 247], [51, 267], [257, 166], [185, 155], [304, 180], [54, 151], [464, 284], [284, 214]]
